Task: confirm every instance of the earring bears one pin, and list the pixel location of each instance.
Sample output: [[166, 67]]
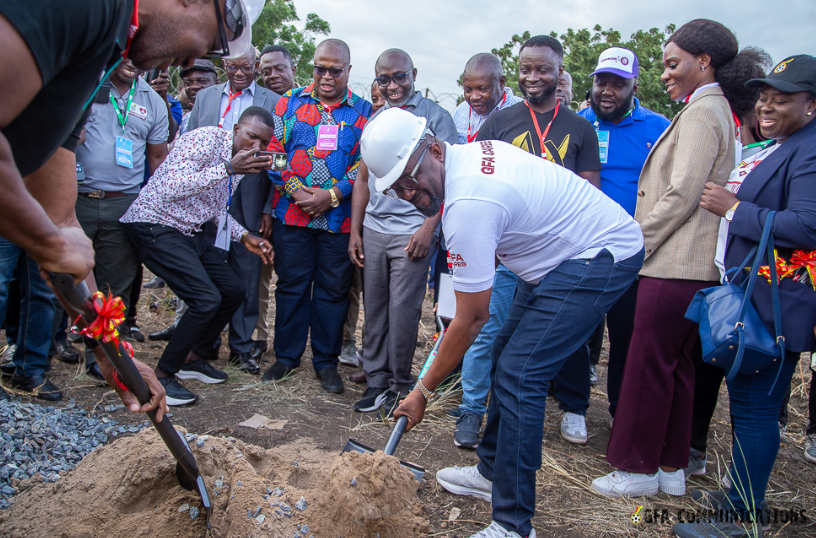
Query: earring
[[702, 67], [810, 113]]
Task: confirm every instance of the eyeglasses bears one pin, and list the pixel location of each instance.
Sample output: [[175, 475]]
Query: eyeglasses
[[334, 72], [409, 183], [234, 14], [245, 69], [399, 78]]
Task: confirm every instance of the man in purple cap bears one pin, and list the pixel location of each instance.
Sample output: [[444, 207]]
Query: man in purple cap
[[626, 133]]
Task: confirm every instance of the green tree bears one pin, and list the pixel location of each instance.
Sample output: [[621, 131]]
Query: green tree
[[274, 27], [582, 49]]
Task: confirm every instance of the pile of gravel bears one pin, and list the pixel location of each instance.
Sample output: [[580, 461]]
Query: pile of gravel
[[48, 441]]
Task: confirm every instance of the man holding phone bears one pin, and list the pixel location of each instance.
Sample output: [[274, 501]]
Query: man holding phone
[[221, 105], [197, 184]]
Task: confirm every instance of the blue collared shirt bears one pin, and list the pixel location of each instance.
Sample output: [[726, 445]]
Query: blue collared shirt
[[630, 142]]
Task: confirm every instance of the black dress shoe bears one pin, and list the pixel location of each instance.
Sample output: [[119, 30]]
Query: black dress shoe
[[66, 352], [94, 371], [331, 380], [8, 369], [164, 334], [245, 363], [258, 349], [277, 372], [135, 333], [156, 282], [37, 384]]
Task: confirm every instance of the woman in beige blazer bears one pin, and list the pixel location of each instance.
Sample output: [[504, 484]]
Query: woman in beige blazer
[[649, 444]]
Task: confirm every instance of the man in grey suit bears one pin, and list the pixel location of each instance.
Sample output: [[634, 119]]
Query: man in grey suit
[[251, 204]]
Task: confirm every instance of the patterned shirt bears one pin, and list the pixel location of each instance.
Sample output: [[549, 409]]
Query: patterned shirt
[[298, 117], [191, 186]]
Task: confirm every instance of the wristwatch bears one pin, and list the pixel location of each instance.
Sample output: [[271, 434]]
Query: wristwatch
[[334, 202], [729, 215]]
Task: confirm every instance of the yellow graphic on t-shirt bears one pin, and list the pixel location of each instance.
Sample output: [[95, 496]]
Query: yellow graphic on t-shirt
[[525, 142]]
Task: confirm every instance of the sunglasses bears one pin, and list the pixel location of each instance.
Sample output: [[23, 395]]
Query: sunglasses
[[234, 15], [334, 72], [409, 183], [399, 78]]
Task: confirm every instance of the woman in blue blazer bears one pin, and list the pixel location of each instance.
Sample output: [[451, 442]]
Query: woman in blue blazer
[[783, 181]]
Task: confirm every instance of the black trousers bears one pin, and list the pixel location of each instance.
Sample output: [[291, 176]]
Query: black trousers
[[620, 322], [199, 274]]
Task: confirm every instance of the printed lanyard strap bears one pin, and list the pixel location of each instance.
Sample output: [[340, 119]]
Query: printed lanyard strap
[[542, 137], [229, 105], [119, 115]]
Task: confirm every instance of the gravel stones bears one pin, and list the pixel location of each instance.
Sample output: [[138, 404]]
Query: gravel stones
[[301, 504], [48, 441]]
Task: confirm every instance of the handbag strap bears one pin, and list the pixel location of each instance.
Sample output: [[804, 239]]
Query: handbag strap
[[740, 325], [777, 311]]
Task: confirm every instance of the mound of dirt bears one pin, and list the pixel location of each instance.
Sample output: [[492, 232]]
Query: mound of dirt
[[129, 488], [370, 495]]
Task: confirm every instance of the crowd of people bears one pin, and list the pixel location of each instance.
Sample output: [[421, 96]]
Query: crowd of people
[[559, 224]]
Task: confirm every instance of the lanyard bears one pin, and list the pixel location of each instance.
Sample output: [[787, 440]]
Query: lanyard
[[470, 111], [538, 129], [119, 116], [597, 123], [229, 191], [229, 105]]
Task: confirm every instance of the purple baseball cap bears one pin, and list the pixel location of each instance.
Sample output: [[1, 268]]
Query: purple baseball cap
[[618, 61]]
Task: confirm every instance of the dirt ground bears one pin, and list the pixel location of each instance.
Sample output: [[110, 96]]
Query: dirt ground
[[314, 426]]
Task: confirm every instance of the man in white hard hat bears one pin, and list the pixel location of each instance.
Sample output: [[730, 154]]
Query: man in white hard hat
[[575, 252], [58, 52]]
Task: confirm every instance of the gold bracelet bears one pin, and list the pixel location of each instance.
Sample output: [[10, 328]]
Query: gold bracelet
[[428, 395]]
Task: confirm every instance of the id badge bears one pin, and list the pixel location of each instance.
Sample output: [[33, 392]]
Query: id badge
[[327, 137], [80, 173], [224, 235], [124, 152], [138, 111], [603, 146]]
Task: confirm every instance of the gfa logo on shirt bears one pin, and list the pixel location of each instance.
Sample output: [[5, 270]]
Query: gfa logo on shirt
[[456, 260]]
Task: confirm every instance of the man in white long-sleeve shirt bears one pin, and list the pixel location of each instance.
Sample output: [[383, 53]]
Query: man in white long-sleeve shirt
[[194, 185]]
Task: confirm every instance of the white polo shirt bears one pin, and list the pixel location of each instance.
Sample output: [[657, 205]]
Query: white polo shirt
[[533, 214]]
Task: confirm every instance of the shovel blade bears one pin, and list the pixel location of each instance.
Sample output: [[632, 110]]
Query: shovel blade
[[356, 446]]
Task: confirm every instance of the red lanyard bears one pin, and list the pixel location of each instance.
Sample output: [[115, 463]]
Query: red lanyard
[[470, 111], [229, 105], [134, 25], [538, 129]]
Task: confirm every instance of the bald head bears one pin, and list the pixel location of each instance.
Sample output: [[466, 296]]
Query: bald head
[[339, 47], [484, 63], [483, 83], [395, 74]]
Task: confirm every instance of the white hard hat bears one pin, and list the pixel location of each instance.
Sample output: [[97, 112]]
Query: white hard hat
[[387, 143], [241, 15]]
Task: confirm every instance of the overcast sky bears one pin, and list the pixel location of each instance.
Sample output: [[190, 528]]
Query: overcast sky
[[441, 35]]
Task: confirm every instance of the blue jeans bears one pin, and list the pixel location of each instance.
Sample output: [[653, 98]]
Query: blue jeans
[[755, 431], [547, 323], [36, 308], [477, 362]]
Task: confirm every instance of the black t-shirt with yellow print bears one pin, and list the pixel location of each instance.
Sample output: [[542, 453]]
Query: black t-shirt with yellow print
[[571, 141]]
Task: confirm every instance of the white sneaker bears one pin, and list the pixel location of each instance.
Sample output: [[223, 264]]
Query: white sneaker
[[573, 428], [497, 531], [672, 483], [465, 481], [349, 355], [624, 484]]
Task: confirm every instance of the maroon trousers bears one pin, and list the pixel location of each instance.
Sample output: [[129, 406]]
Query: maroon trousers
[[653, 421]]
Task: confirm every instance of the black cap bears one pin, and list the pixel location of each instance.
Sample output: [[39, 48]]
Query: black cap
[[200, 65], [791, 75]]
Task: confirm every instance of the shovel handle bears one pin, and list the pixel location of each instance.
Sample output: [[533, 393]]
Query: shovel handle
[[396, 435], [79, 298]]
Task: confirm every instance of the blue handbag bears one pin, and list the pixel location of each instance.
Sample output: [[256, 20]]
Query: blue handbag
[[733, 335]]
